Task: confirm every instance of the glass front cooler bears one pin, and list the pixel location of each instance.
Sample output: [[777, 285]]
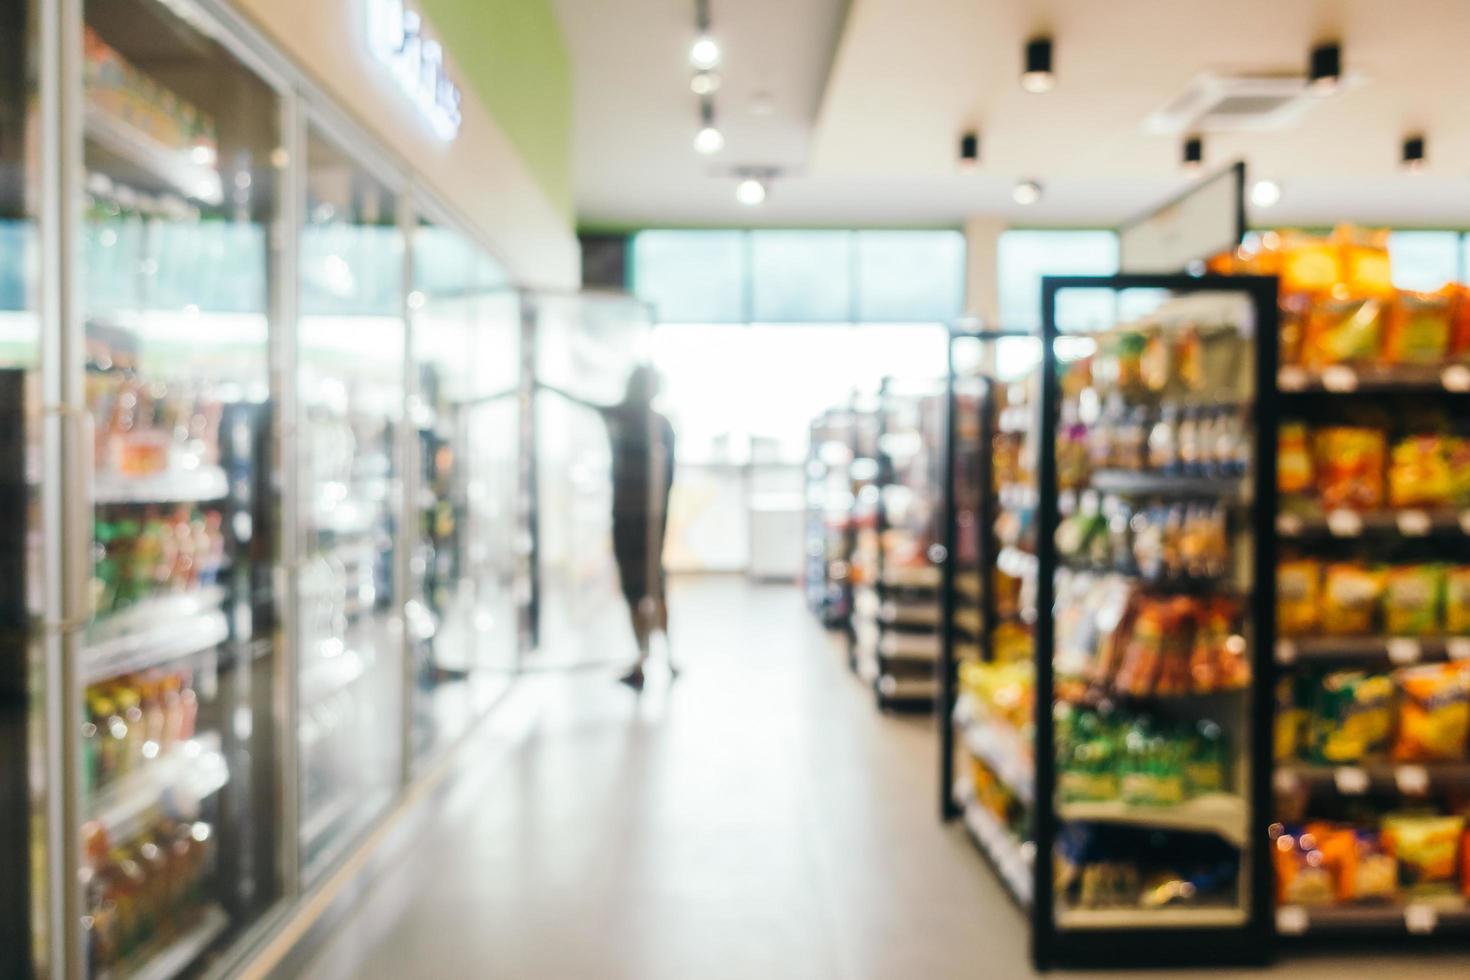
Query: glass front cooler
[[350, 403], [1156, 475], [176, 675]]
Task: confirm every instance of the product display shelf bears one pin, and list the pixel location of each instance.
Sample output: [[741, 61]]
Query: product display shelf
[[860, 538], [173, 957], [908, 611], [1366, 528], [178, 780], [827, 512], [1152, 568]]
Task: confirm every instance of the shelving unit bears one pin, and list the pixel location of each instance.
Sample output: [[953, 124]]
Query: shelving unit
[[828, 495]]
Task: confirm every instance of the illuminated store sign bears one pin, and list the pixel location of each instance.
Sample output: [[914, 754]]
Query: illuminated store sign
[[396, 37]]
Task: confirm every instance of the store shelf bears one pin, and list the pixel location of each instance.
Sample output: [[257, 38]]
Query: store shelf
[[1127, 483], [1011, 857], [1002, 750], [1411, 522], [173, 166], [1161, 918], [1417, 917], [915, 614], [1220, 814], [919, 647], [177, 956], [918, 577], [175, 783], [1409, 779], [155, 612], [1343, 379], [1394, 649], [174, 486], [906, 689], [156, 641]]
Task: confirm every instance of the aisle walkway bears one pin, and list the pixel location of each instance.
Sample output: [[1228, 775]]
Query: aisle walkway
[[757, 820]]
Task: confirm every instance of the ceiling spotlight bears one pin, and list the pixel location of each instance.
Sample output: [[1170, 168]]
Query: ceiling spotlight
[[709, 139], [1324, 70], [1026, 192], [969, 151], [1265, 193], [1413, 158], [705, 53], [1038, 76], [704, 83], [1194, 154], [751, 191]]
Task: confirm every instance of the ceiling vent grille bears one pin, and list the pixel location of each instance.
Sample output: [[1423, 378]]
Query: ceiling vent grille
[[1234, 103]]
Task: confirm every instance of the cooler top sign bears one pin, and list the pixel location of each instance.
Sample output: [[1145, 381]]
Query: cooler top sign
[[416, 64]]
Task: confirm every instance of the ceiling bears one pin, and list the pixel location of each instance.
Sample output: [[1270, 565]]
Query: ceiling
[[869, 136]]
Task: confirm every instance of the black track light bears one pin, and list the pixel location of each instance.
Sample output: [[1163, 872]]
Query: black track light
[[1038, 75], [1413, 158], [969, 151], [1324, 70], [1194, 153]]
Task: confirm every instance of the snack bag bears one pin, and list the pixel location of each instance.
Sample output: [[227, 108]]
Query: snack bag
[[1352, 716], [1293, 459], [1376, 875], [1298, 596], [1144, 652], [1302, 875], [1427, 847], [1309, 264], [1291, 721], [1460, 325], [1465, 864], [1350, 596], [1457, 456], [1419, 473], [1419, 328], [1343, 331], [1411, 598], [1350, 463], [1434, 713], [1457, 601], [1366, 267]]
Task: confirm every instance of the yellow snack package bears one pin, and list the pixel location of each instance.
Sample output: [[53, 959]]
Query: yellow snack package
[[1457, 601], [1343, 331], [1419, 472], [1350, 596], [1411, 599], [1308, 264], [1366, 267], [1419, 328], [1298, 595], [1434, 713], [1426, 846]]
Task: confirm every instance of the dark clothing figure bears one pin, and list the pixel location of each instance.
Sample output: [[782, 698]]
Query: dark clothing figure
[[642, 475]]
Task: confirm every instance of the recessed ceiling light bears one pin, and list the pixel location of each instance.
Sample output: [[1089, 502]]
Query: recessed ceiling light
[[1265, 193], [705, 53], [1026, 192], [709, 140], [751, 192], [1037, 75], [704, 83]]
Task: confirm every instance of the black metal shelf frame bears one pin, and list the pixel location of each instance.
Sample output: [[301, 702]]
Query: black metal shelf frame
[[1052, 943]]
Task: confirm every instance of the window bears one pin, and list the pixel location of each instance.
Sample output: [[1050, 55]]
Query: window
[[1424, 260], [1024, 257]]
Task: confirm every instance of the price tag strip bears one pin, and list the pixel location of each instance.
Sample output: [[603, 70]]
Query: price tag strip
[[1412, 780], [1405, 650], [1414, 523], [1351, 780], [1345, 524]]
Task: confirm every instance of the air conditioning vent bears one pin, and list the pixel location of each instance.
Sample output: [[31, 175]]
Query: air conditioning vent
[[1226, 103]]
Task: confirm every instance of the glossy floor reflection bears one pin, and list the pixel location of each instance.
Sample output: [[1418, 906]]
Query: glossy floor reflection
[[758, 819]]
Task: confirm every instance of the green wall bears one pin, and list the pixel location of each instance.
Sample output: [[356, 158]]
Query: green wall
[[512, 57]]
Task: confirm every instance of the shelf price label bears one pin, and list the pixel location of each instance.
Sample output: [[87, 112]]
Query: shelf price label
[[1456, 378], [1412, 780], [1420, 919], [1405, 650], [1351, 780], [1340, 378], [1458, 648], [1285, 652], [1291, 920], [1414, 523], [1344, 523], [1286, 781], [1465, 521], [1288, 525], [1291, 379]]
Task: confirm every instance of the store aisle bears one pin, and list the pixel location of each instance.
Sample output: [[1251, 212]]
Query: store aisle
[[759, 819]]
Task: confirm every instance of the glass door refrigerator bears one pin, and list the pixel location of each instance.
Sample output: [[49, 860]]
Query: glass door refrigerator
[[1155, 585], [175, 675], [350, 395]]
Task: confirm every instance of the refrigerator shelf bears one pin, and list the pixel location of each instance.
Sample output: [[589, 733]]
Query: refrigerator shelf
[[1221, 814], [1344, 379], [1392, 649], [175, 957], [161, 641], [1415, 917], [1140, 484], [169, 165], [1139, 918], [1011, 857], [172, 487], [1409, 522], [1407, 778], [175, 784]]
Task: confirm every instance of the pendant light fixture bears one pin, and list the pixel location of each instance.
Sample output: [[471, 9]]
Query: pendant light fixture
[[1194, 154]]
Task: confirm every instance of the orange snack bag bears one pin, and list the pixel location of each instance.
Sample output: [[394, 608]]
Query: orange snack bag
[[1350, 464], [1419, 327]]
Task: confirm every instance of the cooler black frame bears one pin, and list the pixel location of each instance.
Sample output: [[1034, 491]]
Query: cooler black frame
[[1253, 942]]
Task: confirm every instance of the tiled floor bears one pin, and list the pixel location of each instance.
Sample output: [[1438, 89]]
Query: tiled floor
[[758, 819]]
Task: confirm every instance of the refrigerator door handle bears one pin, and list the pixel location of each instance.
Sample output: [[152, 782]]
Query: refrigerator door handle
[[78, 440]]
